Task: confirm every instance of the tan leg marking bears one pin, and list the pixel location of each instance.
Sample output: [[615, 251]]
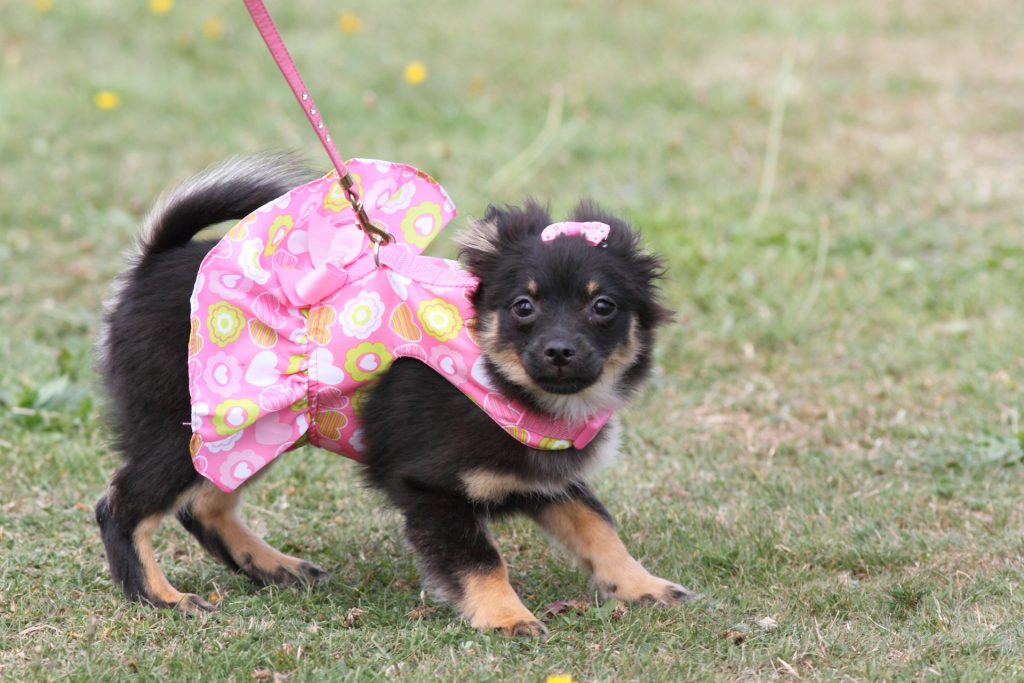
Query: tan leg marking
[[158, 588], [215, 510], [593, 541], [489, 602]]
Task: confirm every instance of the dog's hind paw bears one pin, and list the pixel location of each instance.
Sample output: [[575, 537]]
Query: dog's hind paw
[[675, 594], [294, 573], [649, 590]]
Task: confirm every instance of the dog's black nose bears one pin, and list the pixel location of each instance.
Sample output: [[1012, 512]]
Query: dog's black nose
[[559, 353]]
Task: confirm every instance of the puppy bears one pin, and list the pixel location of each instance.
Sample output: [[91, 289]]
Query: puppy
[[565, 328]]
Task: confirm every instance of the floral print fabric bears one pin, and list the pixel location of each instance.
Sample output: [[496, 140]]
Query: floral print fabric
[[291, 320]]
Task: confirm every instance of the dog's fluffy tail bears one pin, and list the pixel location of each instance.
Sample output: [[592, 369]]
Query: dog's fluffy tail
[[229, 191]]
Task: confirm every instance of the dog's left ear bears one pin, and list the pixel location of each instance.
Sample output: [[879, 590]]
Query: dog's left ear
[[645, 268]]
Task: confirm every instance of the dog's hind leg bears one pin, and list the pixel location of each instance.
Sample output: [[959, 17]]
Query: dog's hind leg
[[210, 516], [128, 515], [581, 525]]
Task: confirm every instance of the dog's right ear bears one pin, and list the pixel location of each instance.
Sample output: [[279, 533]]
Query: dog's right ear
[[478, 243]]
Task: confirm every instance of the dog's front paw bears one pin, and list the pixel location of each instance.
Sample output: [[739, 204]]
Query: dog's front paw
[[668, 595], [489, 603], [312, 575], [526, 629], [676, 595], [512, 623], [302, 574], [195, 606]]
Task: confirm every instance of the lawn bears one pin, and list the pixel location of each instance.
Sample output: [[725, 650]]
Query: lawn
[[830, 450]]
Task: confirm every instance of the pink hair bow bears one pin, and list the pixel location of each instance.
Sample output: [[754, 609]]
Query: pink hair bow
[[593, 232]]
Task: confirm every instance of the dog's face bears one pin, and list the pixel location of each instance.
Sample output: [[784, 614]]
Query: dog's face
[[564, 324]]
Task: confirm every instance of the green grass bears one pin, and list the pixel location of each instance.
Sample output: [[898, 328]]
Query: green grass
[[831, 439]]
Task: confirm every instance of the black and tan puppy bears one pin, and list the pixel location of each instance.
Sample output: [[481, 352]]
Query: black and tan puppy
[[565, 327]]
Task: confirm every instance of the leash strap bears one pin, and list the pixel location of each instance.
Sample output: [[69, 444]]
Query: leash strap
[[265, 25]]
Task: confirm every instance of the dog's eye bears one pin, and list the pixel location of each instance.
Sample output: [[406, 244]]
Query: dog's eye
[[523, 307], [603, 307]]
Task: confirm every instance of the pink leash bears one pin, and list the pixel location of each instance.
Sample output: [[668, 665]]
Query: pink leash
[[265, 25]]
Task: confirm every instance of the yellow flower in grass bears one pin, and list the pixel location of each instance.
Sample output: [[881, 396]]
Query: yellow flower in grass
[[415, 73], [43, 6], [213, 28], [367, 360], [440, 319], [106, 100], [224, 323], [422, 223], [160, 6], [349, 23], [234, 415]]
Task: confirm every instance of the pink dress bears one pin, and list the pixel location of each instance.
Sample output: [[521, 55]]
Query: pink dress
[[291, 321]]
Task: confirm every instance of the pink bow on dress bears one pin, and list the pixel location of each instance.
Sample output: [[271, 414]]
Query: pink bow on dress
[[339, 251]]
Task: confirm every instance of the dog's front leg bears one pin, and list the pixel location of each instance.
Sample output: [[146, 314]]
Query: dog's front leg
[[582, 526], [459, 558]]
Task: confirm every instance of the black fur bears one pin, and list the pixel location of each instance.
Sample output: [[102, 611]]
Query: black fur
[[424, 437]]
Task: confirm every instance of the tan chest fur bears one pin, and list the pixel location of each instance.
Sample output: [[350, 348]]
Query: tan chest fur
[[486, 485]]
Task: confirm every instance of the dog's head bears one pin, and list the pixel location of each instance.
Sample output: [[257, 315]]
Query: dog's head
[[565, 325]]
